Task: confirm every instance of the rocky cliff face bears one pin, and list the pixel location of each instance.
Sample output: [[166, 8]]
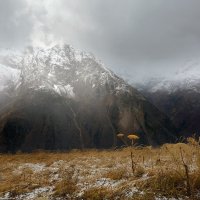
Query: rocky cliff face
[[62, 98]]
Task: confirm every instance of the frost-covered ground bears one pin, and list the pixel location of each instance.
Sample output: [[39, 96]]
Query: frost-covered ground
[[156, 174]]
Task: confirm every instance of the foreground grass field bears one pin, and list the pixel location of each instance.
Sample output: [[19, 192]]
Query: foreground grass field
[[170, 172]]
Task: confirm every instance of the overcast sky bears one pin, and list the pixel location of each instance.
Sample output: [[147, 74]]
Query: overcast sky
[[135, 38]]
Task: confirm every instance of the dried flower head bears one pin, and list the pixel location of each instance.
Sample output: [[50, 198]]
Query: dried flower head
[[133, 137], [120, 135]]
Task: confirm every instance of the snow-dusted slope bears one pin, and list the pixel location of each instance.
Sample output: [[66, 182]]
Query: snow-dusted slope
[[8, 76], [178, 97], [186, 78], [99, 104], [60, 69]]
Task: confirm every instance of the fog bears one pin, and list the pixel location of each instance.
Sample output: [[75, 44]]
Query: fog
[[137, 39]]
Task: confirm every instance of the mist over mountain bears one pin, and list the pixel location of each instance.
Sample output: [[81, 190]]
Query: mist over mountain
[[61, 98], [178, 96], [121, 122]]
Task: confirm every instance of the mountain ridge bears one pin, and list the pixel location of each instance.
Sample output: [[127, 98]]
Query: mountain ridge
[[68, 99], [178, 97], [186, 78]]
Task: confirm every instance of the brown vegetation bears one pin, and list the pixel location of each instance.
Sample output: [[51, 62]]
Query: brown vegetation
[[170, 171]]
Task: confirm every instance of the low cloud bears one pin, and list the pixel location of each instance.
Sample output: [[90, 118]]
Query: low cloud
[[135, 38]]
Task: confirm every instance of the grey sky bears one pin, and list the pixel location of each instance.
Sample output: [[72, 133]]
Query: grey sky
[[135, 38]]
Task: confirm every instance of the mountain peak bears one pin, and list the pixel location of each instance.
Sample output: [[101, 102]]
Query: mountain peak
[[66, 99], [61, 68]]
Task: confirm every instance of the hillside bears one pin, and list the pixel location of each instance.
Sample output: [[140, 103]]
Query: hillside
[[178, 97], [66, 99]]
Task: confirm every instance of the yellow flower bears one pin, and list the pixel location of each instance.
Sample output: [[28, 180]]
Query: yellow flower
[[133, 137]]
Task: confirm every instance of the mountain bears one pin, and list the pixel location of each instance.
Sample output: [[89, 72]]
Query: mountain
[[178, 97], [62, 98]]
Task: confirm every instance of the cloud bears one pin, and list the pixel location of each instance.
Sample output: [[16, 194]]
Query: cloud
[[135, 37], [15, 23]]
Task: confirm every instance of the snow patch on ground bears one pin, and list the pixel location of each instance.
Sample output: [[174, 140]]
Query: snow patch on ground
[[35, 193], [39, 167], [165, 198]]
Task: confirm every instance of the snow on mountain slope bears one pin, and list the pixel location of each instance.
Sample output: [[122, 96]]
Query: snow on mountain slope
[[99, 104], [10, 57], [178, 97], [60, 69], [186, 78], [8, 75]]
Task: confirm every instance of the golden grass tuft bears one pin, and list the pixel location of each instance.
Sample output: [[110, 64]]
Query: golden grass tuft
[[116, 174], [139, 171], [166, 183], [65, 187], [97, 193]]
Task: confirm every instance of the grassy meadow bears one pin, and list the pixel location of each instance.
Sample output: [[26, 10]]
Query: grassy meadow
[[140, 173]]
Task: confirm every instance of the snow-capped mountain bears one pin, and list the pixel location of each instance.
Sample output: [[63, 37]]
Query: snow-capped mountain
[[60, 69], [186, 78], [66, 99], [178, 97]]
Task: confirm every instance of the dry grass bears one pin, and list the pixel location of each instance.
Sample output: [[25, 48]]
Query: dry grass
[[170, 171], [65, 187], [97, 194], [116, 174]]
